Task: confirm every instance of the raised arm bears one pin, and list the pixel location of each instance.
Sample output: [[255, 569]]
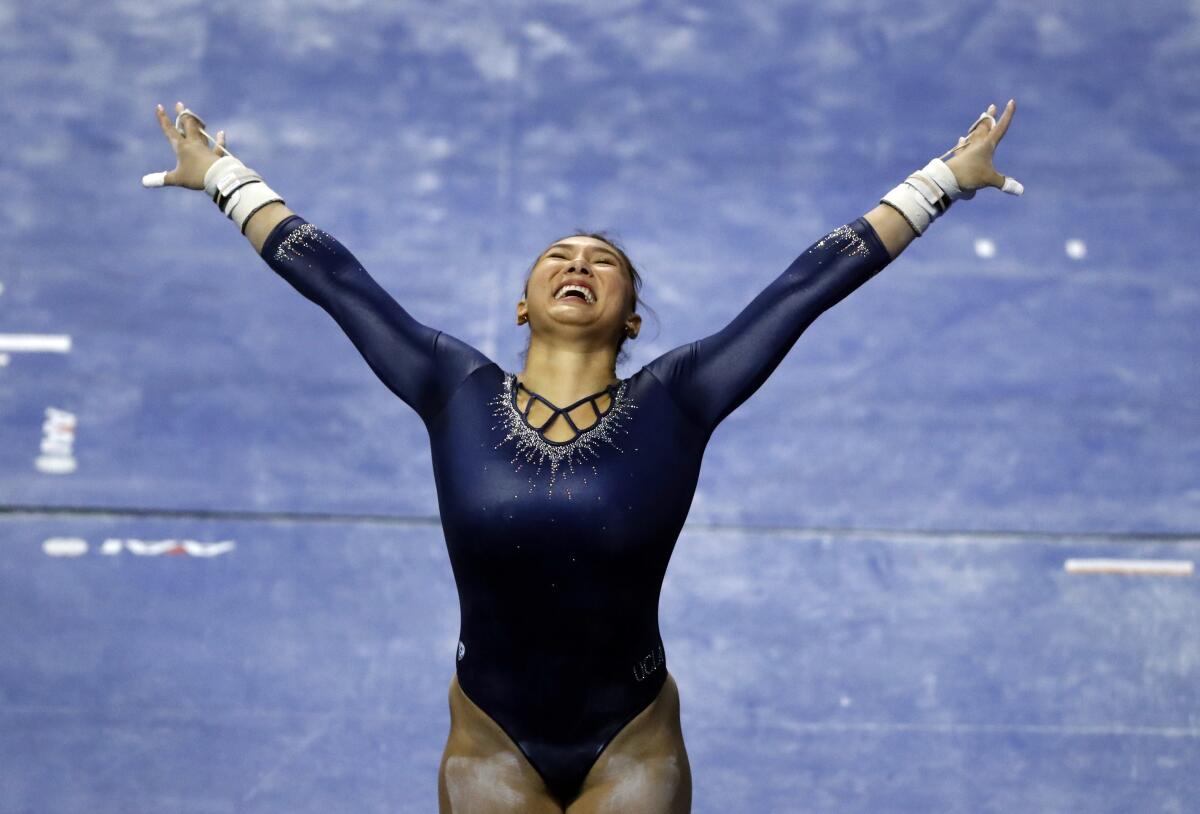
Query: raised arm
[[421, 365], [711, 377]]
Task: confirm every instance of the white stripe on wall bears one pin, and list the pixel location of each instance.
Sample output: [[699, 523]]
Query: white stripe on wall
[[1168, 568], [52, 343]]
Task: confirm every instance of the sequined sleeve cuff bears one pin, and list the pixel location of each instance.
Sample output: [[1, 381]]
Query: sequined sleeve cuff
[[280, 233]]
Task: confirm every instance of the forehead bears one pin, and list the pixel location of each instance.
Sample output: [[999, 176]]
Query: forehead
[[582, 241]]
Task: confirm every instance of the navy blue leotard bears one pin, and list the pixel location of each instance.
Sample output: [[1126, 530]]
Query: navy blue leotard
[[559, 549]]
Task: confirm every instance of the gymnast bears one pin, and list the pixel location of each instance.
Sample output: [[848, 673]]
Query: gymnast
[[562, 488]]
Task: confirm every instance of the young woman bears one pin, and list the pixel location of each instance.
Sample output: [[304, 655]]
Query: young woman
[[563, 488]]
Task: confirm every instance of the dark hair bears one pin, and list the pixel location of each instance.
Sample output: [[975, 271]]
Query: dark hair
[[634, 277]]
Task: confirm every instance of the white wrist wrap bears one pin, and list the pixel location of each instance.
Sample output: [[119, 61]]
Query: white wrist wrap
[[943, 176], [925, 195], [237, 190]]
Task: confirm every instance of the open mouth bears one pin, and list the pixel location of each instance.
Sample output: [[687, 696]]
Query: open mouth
[[573, 291]]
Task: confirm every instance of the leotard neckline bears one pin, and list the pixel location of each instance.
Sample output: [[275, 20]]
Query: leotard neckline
[[613, 391]]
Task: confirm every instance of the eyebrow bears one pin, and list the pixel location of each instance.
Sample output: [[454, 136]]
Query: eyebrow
[[604, 249]]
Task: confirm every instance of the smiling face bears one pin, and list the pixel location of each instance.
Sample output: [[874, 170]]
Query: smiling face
[[579, 286]]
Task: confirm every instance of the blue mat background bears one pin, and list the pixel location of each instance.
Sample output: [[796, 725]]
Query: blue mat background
[[868, 609]]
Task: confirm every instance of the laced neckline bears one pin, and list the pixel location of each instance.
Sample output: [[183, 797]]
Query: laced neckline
[[534, 449], [613, 390]]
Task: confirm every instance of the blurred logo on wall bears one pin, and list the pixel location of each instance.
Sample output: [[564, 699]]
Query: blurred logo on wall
[[117, 546], [58, 443]]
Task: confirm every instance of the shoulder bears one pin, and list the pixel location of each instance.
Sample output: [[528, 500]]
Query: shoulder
[[458, 355]]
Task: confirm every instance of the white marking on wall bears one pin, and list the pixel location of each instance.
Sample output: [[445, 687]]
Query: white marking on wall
[[1076, 249], [985, 248], [534, 204], [171, 547], [58, 443], [32, 343], [65, 547], [427, 181], [1157, 568], [113, 546]]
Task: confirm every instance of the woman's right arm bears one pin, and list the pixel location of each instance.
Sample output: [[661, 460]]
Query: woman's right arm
[[421, 365]]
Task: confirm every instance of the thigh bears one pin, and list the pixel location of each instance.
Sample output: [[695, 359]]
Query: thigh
[[645, 768], [483, 771]]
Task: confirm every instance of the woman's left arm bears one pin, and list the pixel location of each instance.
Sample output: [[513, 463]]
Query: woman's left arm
[[973, 169], [711, 377]]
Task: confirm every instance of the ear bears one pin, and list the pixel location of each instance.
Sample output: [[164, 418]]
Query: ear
[[522, 311], [634, 322]]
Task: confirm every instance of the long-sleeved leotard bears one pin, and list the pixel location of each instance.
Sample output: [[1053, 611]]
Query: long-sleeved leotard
[[559, 549]]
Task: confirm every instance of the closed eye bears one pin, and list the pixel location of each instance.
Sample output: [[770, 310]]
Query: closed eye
[[598, 261]]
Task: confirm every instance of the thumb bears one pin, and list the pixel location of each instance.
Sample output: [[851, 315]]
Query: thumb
[[157, 179], [1011, 185]]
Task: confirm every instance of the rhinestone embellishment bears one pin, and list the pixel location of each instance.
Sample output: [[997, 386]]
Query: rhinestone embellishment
[[849, 239], [305, 236], [537, 451]]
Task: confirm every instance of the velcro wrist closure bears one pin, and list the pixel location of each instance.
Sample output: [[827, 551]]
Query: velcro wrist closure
[[905, 199], [941, 173], [248, 199], [222, 177], [931, 195], [238, 190]]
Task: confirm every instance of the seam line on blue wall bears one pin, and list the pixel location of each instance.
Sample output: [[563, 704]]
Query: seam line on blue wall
[[878, 534]]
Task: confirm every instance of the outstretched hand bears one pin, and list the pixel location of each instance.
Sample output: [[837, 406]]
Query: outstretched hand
[[972, 165], [192, 153]]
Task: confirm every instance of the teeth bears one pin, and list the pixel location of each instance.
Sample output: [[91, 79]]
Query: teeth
[[587, 295]]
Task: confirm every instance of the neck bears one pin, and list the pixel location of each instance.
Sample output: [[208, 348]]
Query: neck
[[566, 374]]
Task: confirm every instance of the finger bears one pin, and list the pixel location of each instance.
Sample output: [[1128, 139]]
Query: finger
[[160, 179], [188, 122], [984, 117], [1005, 184], [192, 125], [221, 143], [171, 133], [1002, 126], [962, 142]]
